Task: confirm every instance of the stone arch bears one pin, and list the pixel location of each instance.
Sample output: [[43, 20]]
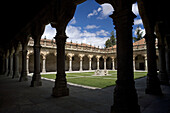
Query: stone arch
[[101, 63], [94, 63], [140, 62], [85, 63], [51, 63], [108, 63], [76, 63]]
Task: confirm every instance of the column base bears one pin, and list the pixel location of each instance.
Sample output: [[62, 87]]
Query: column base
[[164, 80], [153, 85], [36, 80], [10, 73], [60, 89], [125, 99], [16, 75], [23, 77]]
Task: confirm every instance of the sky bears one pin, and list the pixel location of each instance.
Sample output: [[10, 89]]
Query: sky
[[91, 24]]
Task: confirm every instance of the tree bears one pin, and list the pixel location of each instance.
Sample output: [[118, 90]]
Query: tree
[[111, 41], [139, 34]]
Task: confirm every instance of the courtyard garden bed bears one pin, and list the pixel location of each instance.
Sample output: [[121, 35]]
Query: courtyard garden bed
[[86, 78]]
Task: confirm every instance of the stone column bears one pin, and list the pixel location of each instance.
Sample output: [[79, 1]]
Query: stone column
[[70, 55], [153, 83], [6, 63], [113, 63], [27, 65], [104, 57], [81, 61], [11, 62], [23, 76], [167, 40], [125, 96], [160, 32], [16, 62], [163, 76], [90, 57], [16, 65], [134, 63], [44, 68], [36, 78], [98, 59], [60, 88], [146, 66]]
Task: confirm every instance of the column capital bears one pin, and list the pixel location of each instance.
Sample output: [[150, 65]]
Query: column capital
[[105, 57], [98, 56], [70, 55], [90, 56], [81, 55], [44, 54], [147, 35], [122, 17], [60, 38], [112, 57]]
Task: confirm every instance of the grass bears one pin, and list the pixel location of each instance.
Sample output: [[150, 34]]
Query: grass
[[86, 78]]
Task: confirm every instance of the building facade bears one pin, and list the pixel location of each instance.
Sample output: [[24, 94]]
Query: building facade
[[81, 57]]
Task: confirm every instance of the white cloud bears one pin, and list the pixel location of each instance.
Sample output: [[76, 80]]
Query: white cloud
[[91, 27], [87, 34], [73, 32], [73, 21], [102, 33], [105, 10], [138, 22], [49, 32], [135, 9], [142, 30], [77, 35], [95, 12]]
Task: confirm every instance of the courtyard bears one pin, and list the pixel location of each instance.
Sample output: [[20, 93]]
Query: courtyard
[[89, 79]]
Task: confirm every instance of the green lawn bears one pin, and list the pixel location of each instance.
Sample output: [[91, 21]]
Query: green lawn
[[86, 78]]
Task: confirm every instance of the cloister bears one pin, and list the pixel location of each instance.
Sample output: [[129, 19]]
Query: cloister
[[81, 57], [58, 13]]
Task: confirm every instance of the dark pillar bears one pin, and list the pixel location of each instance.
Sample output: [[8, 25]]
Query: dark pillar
[[36, 78], [125, 96], [16, 73], [168, 55], [153, 83], [23, 76], [16, 65], [163, 76], [11, 62], [60, 88]]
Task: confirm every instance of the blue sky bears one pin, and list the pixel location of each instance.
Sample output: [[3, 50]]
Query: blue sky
[[91, 24]]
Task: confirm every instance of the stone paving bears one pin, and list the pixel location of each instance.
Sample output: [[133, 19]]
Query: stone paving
[[18, 97]]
